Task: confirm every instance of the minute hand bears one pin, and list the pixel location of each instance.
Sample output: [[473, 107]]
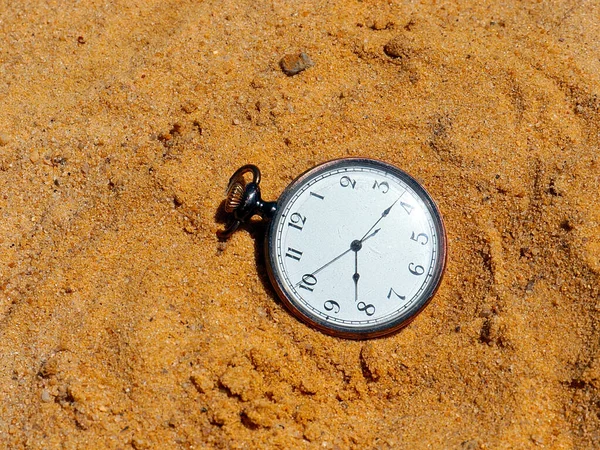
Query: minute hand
[[383, 214]]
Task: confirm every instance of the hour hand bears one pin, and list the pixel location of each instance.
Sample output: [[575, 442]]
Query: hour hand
[[356, 275], [371, 235]]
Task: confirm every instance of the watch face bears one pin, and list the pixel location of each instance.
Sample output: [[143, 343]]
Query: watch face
[[356, 248]]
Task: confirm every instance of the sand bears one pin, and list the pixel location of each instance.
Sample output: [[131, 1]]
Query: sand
[[124, 323]]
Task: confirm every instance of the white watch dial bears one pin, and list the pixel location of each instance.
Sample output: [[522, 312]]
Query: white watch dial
[[357, 247]]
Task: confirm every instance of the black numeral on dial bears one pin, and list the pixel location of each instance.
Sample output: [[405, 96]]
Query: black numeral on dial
[[347, 181], [416, 238], [384, 187], [294, 254], [416, 270], [308, 281], [297, 221], [392, 291], [408, 208], [368, 309], [330, 305]]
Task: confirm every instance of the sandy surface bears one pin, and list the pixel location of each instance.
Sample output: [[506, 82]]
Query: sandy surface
[[125, 324]]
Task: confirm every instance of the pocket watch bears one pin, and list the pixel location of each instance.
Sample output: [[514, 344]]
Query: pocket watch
[[355, 247]]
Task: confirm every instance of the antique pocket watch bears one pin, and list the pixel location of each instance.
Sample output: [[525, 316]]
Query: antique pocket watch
[[355, 247]]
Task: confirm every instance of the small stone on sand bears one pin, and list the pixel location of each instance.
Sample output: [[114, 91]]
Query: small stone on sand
[[293, 64], [398, 47], [46, 398], [189, 107], [4, 139]]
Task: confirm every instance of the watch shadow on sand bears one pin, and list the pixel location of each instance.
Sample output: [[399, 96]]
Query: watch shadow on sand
[[257, 229]]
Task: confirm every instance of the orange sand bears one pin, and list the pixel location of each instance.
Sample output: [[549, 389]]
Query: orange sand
[[125, 324]]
